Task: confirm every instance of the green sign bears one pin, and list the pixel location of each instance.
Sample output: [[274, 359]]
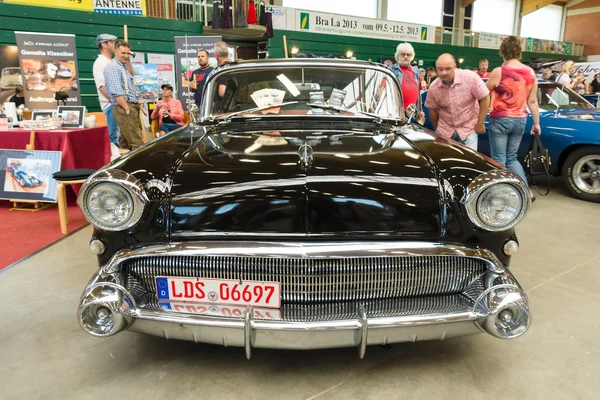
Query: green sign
[[424, 33], [304, 21], [567, 47], [529, 44]]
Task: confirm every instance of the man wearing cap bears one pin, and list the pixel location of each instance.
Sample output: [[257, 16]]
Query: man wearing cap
[[168, 111], [106, 45]]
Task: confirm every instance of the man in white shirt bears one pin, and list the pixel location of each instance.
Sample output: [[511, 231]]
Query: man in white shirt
[[106, 44]]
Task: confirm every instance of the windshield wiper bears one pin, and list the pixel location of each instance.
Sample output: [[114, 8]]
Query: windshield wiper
[[228, 117], [378, 118]]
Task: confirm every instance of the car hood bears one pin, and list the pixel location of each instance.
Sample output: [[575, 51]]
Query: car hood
[[342, 182]]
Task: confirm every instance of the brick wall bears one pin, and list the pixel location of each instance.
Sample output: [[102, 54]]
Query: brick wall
[[584, 29]]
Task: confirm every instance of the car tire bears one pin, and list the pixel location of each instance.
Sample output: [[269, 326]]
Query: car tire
[[581, 172]]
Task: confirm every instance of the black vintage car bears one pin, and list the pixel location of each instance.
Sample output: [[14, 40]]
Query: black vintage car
[[302, 210]]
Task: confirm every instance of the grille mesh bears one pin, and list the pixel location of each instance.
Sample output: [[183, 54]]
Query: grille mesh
[[318, 280]]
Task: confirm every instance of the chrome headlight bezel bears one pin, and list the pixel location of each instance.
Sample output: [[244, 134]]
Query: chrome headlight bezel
[[485, 181], [127, 182]]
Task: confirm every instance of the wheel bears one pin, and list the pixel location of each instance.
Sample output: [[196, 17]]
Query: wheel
[[581, 172]]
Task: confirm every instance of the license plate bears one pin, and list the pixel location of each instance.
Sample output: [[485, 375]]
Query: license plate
[[218, 291], [218, 310]]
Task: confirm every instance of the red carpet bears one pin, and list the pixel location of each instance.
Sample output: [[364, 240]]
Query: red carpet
[[23, 233]]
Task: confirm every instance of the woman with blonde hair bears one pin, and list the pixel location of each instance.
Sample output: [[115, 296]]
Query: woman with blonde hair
[[565, 76], [514, 86]]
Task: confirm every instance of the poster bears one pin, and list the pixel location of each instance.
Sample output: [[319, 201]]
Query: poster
[[165, 64], [10, 72], [186, 61], [27, 174], [146, 82], [121, 7], [48, 65]]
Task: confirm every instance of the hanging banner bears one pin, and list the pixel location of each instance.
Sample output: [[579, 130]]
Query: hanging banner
[[165, 64], [186, 61], [589, 69], [344, 25], [121, 7], [48, 65], [490, 40]]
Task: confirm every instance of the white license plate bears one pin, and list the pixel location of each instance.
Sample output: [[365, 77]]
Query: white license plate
[[218, 291], [218, 310]]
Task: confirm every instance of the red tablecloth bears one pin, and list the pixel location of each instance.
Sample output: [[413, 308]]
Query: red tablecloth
[[81, 148]]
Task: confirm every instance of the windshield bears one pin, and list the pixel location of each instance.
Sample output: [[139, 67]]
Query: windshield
[[351, 91], [11, 71], [563, 96]]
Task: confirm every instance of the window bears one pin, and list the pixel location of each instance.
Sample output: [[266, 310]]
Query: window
[[425, 12], [543, 24], [494, 16], [363, 8]]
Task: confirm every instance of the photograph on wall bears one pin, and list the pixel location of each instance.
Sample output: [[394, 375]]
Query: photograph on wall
[[165, 65], [146, 82], [10, 72], [27, 175], [186, 61], [48, 63]]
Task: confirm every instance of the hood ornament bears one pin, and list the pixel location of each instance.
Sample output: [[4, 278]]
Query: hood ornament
[[305, 152]]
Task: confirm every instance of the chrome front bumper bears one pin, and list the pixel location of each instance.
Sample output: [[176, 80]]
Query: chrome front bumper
[[498, 307]]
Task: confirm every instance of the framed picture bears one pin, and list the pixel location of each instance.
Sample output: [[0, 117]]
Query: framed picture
[[27, 175], [72, 116], [40, 114]]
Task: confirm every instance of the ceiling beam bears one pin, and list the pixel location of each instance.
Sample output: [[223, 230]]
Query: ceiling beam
[[466, 3], [529, 6], [572, 3]]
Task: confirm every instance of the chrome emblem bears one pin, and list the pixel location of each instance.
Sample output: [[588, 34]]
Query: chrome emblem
[[213, 296], [306, 156]]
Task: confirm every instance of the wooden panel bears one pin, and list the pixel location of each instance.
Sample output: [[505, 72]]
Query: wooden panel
[[529, 6]]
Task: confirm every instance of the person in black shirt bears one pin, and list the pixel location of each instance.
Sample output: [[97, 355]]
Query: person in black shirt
[[19, 97], [222, 56], [595, 85], [198, 78]]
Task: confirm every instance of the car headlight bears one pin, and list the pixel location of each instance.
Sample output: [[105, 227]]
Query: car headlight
[[497, 200], [112, 200]]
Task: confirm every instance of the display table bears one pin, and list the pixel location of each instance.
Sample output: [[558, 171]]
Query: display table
[[81, 148]]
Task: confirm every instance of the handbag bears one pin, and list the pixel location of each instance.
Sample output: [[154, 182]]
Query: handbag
[[537, 162]]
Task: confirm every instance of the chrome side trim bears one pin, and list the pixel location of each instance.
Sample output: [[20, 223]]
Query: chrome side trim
[[291, 250], [483, 182]]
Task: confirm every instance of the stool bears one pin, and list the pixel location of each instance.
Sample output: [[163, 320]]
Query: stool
[[64, 178]]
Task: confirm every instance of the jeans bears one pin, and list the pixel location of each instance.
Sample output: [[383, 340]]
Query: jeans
[[113, 128], [470, 141], [505, 139], [166, 128]]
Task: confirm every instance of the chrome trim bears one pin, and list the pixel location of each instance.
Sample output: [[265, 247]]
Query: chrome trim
[[485, 181], [365, 328], [115, 176], [309, 250]]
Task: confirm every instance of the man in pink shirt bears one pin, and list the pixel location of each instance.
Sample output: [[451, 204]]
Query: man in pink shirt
[[458, 102]]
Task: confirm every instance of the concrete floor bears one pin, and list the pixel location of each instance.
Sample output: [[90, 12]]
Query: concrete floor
[[45, 354]]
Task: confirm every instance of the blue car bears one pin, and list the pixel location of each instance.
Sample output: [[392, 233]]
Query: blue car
[[24, 177], [571, 133]]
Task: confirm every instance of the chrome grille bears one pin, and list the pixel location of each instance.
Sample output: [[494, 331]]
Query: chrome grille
[[316, 280]]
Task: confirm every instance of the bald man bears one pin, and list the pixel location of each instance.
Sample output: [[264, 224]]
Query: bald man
[[458, 102]]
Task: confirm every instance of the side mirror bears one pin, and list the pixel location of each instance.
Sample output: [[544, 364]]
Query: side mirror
[[411, 111]]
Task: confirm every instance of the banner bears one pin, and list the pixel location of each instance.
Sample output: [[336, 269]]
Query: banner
[[186, 61], [121, 7], [589, 69], [48, 64], [490, 40], [333, 24], [165, 64], [548, 46]]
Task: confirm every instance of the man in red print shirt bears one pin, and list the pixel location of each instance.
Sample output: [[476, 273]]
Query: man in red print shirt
[[483, 69], [410, 83], [458, 102]]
